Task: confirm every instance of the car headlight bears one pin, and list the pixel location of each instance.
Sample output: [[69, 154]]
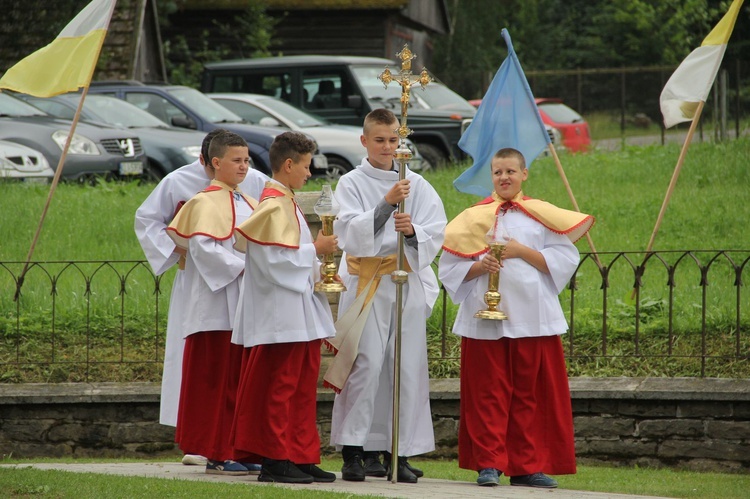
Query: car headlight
[[78, 145], [192, 151]]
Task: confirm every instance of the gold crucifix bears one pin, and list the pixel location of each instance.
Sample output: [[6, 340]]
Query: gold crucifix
[[404, 78]]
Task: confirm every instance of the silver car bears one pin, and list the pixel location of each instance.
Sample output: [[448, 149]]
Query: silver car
[[19, 162], [339, 143], [94, 150]]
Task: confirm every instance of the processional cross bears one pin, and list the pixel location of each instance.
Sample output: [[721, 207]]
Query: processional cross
[[400, 276]]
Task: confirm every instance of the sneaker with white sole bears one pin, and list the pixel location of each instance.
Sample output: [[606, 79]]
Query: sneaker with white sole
[[194, 460], [230, 468], [252, 468]]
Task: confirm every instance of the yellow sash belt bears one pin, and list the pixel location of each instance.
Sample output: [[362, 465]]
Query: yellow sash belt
[[351, 323]]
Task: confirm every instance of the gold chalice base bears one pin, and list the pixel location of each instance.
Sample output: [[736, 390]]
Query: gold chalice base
[[495, 315], [329, 287]]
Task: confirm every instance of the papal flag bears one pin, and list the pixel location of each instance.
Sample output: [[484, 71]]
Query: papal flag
[[66, 64], [692, 80]]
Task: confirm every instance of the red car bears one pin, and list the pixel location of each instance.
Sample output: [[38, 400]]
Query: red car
[[572, 126]]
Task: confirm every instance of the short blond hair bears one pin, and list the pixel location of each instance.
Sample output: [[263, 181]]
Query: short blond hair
[[509, 152], [380, 116]]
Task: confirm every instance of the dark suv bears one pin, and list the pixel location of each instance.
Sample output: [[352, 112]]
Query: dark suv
[[188, 108], [343, 89]]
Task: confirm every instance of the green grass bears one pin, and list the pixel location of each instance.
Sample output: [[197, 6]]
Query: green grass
[[623, 190], [27, 483]]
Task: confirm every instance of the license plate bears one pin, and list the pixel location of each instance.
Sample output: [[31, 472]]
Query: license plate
[[319, 162], [131, 168]]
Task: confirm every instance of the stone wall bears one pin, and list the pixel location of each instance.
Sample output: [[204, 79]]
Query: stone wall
[[700, 424]]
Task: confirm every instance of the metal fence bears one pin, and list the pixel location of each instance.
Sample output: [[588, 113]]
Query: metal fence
[[628, 97], [669, 313]]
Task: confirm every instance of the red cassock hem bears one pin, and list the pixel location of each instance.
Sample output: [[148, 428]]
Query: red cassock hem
[[516, 413], [276, 414], [210, 374]]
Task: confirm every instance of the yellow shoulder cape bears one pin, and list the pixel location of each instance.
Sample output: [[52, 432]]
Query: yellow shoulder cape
[[209, 213], [274, 222], [465, 234]]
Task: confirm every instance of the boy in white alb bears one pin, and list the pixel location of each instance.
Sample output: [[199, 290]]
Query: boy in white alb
[[151, 220], [281, 323], [516, 415], [369, 227], [211, 364]]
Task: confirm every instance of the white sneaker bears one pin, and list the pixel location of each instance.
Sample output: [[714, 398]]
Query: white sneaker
[[194, 460]]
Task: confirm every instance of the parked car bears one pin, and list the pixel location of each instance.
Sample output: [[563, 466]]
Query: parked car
[[340, 143], [185, 107], [167, 147], [94, 150], [343, 89], [19, 162], [571, 125]]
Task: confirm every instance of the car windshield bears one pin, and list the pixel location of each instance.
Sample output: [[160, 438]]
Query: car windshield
[[291, 113], [120, 113], [434, 95], [198, 102], [560, 113], [10, 106]]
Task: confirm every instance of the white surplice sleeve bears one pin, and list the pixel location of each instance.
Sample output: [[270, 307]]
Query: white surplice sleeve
[[151, 221], [354, 224], [562, 259], [452, 271], [217, 265], [289, 268]]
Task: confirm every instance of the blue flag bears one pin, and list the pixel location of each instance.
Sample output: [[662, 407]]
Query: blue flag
[[507, 117]]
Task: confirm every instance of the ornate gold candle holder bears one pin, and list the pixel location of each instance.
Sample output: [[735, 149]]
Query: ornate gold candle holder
[[327, 208], [492, 297]]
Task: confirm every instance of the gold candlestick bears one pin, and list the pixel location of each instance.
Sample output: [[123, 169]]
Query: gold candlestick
[[492, 297], [327, 208]]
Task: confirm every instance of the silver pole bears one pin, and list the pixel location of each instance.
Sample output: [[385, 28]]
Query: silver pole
[[399, 276]]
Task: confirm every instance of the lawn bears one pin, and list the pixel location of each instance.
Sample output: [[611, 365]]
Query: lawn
[[106, 313]]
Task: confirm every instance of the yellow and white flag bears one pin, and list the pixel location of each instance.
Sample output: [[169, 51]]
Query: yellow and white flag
[[692, 80], [66, 64]]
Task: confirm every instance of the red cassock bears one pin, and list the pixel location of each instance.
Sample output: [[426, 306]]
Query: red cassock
[[210, 375], [276, 415], [516, 413]]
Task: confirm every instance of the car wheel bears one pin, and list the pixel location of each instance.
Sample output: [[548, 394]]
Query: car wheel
[[432, 157], [152, 172], [336, 168]]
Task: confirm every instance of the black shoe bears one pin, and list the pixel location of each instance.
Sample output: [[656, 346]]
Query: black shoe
[[353, 469], [404, 474], [538, 480], [317, 474], [282, 472], [372, 464], [419, 473]]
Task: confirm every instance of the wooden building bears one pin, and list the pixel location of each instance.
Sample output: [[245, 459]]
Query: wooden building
[[338, 27]]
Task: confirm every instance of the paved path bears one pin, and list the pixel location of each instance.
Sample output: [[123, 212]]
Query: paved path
[[427, 487]]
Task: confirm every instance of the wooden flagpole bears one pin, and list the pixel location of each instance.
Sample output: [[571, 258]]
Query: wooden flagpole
[[675, 174], [53, 186], [60, 164], [673, 181], [572, 198]]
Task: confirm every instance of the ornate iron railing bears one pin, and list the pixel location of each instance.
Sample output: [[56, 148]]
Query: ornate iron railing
[[669, 313]]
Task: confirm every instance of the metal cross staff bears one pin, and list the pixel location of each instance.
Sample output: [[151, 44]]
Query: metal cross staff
[[399, 276]]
